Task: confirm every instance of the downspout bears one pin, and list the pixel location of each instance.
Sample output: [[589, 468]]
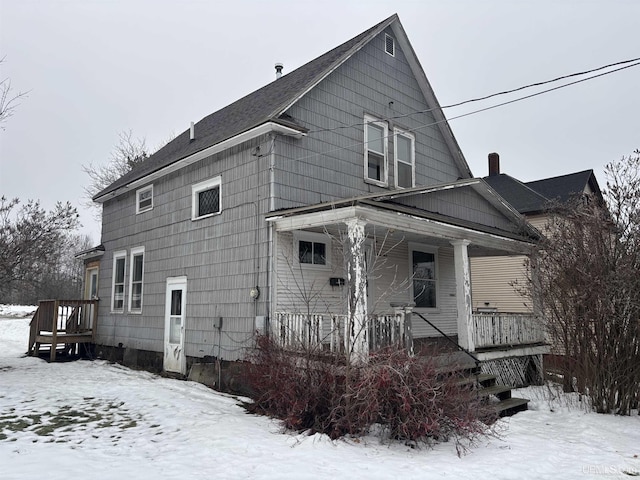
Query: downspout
[[272, 205]]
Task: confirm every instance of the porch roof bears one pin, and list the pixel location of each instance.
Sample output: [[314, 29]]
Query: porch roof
[[380, 210]]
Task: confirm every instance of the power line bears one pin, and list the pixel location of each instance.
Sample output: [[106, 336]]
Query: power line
[[505, 92], [353, 145]]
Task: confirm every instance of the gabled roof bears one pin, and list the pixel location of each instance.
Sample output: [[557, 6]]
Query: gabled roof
[[523, 198], [564, 187], [269, 103], [536, 196]]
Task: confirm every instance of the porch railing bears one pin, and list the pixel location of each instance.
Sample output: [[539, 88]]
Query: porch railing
[[492, 330], [329, 331], [63, 322]]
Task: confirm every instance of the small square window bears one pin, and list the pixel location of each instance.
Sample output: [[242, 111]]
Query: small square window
[[313, 253], [205, 199], [144, 199]]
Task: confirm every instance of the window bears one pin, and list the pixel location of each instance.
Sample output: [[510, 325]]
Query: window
[[205, 198], [425, 280], [375, 151], [389, 45], [117, 291], [404, 154], [313, 248], [136, 279], [144, 199]]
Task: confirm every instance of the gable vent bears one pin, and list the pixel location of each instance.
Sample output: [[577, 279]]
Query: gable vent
[[389, 45]]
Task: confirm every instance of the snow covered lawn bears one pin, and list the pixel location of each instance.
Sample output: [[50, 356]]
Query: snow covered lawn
[[103, 421]]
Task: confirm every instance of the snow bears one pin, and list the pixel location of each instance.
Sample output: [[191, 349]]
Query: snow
[[93, 418]]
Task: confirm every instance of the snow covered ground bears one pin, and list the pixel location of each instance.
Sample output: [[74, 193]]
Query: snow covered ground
[[104, 421]]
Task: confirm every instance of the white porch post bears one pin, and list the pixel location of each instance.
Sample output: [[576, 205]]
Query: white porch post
[[356, 336], [463, 294]]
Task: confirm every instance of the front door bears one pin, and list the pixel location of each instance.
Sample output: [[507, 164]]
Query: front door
[[174, 325]]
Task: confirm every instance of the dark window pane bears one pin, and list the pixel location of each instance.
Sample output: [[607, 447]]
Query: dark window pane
[[424, 265], [424, 293], [209, 201], [119, 270], [137, 268], [305, 252], [136, 296], [176, 302], [319, 255], [404, 175], [375, 166]]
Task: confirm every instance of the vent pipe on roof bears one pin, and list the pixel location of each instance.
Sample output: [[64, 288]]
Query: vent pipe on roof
[[279, 68], [494, 164], [192, 132]]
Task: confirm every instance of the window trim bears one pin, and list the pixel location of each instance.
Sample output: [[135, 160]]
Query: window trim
[[385, 164], [388, 37], [201, 187], [121, 254], [134, 253], [398, 132], [140, 192], [313, 237], [423, 248]]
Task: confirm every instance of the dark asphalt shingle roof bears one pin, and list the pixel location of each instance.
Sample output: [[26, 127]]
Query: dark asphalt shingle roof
[[263, 105], [522, 197], [562, 188]]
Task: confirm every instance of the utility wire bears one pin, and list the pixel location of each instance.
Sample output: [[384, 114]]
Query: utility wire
[[505, 92], [353, 145]]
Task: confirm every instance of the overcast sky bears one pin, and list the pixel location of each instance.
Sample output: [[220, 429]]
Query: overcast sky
[[94, 69]]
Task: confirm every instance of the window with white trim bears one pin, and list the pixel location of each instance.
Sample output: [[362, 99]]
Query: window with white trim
[[136, 276], [375, 150], [144, 199], [205, 198], [312, 248], [405, 158], [117, 287], [424, 270], [389, 45]]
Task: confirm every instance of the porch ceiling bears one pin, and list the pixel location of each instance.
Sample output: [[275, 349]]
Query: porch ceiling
[[399, 223]]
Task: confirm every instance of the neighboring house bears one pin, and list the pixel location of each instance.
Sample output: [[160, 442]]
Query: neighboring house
[[497, 281], [241, 223]]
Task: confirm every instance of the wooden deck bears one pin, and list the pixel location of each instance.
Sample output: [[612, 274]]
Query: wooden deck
[[66, 323]]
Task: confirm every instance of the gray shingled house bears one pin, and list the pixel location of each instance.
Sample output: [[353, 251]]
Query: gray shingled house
[[331, 208]]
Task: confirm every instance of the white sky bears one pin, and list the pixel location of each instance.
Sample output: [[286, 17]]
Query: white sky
[[96, 68]]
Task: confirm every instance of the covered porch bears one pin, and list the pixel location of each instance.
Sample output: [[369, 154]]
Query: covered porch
[[352, 277]]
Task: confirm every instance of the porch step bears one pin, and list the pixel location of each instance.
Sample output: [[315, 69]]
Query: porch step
[[502, 392], [511, 406]]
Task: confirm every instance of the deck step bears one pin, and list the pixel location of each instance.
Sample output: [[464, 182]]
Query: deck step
[[510, 406], [503, 392], [483, 379]]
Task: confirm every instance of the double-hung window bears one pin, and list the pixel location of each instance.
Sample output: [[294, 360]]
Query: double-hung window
[[375, 150], [424, 264], [144, 199], [313, 248], [136, 277], [404, 154], [117, 290], [205, 198]]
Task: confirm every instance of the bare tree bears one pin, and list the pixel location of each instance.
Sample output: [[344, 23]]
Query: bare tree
[[8, 99], [31, 242], [587, 276]]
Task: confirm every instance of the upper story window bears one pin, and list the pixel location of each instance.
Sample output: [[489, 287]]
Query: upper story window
[[136, 279], [205, 198], [117, 287], [424, 264], [405, 158], [375, 150], [144, 199], [389, 45], [313, 248]]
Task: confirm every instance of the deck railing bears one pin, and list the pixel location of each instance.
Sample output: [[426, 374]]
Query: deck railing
[[492, 330], [63, 322], [329, 331]]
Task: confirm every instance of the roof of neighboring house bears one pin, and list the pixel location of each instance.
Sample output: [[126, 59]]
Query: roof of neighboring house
[[268, 104], [536, 196]]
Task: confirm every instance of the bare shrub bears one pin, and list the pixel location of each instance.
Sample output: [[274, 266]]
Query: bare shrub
[[406, 396]]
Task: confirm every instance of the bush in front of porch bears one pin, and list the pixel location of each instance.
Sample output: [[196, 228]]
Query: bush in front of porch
[[407, 397]]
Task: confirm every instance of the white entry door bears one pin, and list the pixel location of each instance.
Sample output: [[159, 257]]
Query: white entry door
[[174, 328]]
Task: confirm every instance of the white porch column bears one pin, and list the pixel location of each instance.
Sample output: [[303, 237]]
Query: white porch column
[[463, 294], [356, 336]]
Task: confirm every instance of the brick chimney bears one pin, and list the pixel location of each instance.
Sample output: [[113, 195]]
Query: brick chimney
[[494, 164]]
